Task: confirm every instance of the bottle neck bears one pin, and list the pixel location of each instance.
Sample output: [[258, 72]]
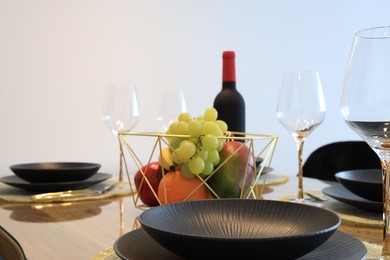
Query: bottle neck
[[228, 67], [229, 85]]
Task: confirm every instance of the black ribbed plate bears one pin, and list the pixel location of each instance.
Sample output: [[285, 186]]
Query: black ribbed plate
[[365, 183], [15, 181], [239, 228], [55, 171], [138, 245], [340, 193]]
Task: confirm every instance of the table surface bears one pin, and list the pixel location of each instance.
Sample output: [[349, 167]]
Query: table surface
[[80, 230]]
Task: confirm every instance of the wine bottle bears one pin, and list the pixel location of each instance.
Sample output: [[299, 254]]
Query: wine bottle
[[229, 102]]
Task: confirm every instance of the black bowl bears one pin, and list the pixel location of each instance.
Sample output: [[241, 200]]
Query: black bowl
[[55, 171], [366, 183], [239, 228]]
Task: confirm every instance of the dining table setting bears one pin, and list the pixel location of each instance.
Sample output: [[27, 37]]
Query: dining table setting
[[102, 221], [200, 190]]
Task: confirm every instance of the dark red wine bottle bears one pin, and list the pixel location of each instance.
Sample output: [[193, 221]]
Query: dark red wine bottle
[[229, 102]]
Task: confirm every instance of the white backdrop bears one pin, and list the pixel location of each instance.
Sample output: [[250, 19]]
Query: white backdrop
[[56, 58]]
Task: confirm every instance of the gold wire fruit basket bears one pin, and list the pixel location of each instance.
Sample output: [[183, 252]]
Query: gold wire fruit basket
[[261, 146]]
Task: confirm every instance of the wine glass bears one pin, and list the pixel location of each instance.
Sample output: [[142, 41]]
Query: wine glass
[[172, 103], [120, 112], [301, 108], [365, 104]]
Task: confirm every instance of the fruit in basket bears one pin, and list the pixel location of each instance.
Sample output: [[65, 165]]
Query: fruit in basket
[[198, 153], [165, 159], [236, 174], [146, 181], [174, 187]]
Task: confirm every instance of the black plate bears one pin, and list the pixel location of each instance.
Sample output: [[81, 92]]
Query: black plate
[[239, 228], [55, 171], [55, 186], [340, 193], [138, 245], [364, 183]]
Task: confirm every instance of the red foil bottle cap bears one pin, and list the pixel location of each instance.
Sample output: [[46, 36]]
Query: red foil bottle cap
[[228, 66]]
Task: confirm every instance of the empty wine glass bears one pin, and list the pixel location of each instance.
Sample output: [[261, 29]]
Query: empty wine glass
[[172, 103], [365, 104], [300, 109], [120, 112]]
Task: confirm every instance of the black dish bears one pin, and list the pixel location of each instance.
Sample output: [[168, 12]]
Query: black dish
[[239, 228], [340, 193], [55, 186], [55, 171], [364, 183], [138, 245]]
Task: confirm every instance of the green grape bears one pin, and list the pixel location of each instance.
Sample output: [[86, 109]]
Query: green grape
[[184, 117], [175, 142], [202, 153], [209, 142], [211, 128], [182, 128], [187, 150], [211, 114], [222, 125], [213, 157], [221, 143], [196, 165], [172, 129], [200, 118], [208, 168], [186, 172], [195, 128], [175, 156]]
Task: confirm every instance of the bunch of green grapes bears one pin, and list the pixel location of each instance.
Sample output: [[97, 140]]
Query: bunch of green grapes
[[196, 150]]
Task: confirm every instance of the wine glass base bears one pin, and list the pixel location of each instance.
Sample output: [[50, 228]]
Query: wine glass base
[[308, 199]]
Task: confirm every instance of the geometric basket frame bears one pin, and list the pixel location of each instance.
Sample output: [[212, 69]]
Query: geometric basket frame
[[260, 145]]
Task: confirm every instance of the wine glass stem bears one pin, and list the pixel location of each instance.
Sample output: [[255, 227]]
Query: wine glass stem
[[386, 208], [300, 181], [120, 160]]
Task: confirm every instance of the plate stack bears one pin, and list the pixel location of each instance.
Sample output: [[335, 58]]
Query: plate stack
[[238, 229], [359, 188], [54, 176]]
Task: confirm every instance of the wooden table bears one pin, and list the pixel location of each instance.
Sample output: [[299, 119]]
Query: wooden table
[[81, 230]]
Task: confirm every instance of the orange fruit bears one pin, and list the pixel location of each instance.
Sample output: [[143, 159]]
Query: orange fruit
[[174, 187]]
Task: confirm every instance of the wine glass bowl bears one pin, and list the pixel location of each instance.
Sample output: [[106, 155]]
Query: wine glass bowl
[[365, 104], [301, 109], [120, 108], [120, 112], [172, 103]]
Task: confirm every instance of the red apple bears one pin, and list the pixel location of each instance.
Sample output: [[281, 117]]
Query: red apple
[[237, 174], [151, 173]]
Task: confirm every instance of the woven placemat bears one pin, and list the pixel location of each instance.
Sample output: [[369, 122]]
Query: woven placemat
[[15, 195], [348, 213], [271, 179]]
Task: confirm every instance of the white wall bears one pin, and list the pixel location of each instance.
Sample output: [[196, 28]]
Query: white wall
[[56, 57]]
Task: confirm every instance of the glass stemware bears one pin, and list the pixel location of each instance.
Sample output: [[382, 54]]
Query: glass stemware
[[172, 103], [120, 112], [365, 104], [301, 108]]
